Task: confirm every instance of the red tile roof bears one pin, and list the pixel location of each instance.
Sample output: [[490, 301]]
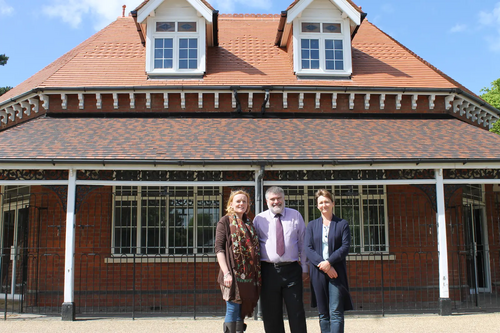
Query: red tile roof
[[115, 57], [257, 139]]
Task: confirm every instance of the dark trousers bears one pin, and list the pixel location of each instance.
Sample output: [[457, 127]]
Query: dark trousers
[[278, 284]]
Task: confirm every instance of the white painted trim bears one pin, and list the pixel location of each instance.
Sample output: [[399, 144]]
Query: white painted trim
[[297, 10], [342, 5], [163, 183], [158, 258], [199, 35], [152, 5], [252, 165], [69, 256], [347, 182], [33, 182], [444, 287], [346, 49], [384, 256]]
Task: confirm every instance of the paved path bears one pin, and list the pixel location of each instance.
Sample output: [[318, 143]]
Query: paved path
[[467, 323]]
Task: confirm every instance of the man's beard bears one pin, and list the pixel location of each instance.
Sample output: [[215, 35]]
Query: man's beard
[[277, 209]]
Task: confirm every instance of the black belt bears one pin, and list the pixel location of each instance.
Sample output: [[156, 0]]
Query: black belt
[[280, 264]]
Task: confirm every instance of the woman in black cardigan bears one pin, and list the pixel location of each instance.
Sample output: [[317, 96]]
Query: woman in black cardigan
[[327, 245]]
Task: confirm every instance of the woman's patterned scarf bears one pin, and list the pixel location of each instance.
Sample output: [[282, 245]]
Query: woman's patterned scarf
[[247, 261]]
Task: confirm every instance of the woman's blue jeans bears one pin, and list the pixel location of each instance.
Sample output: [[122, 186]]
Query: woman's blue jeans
[[232, 312], [333, 322]]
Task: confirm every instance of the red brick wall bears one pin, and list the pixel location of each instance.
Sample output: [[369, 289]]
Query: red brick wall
[[406, 277]]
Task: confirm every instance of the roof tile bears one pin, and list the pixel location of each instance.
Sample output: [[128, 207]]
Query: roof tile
[[172, 139]]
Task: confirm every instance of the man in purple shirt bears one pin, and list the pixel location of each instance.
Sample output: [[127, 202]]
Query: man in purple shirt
[[284, 265]]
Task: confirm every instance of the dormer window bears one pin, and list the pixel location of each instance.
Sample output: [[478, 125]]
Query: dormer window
[[176, 48], [322, 49]]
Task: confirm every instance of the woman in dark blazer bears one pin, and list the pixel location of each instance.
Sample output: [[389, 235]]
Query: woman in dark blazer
[[327, 244]]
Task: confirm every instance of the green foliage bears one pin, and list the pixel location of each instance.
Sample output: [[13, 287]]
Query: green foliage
[[492, 94], [3, 59], [496, 127], [3, 90]]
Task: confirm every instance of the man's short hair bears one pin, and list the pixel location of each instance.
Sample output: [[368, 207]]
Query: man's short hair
[[275, 190]]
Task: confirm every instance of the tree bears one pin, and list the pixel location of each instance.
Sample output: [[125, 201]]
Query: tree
[[3, 61], [492, 96]]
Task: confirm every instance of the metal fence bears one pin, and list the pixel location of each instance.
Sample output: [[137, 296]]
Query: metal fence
[[148, 252]]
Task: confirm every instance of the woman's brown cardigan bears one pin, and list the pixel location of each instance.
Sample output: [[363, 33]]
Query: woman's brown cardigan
[[223, 243]]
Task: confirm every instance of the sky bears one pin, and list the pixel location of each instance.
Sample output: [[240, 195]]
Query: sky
[[460, 37]]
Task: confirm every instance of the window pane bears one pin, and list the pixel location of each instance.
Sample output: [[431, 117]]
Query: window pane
[[158, 53], [207, 218], [153, 218], [165, 26], [374, 224], [310, 27], [187, 27], [310, 53], [333, 53], [180, 224], [338, 45], [163, 52], [332, 28], [168, 64], [125, 217], [188, 53]]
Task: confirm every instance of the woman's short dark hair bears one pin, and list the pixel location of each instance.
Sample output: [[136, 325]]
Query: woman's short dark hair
[[323, 193]]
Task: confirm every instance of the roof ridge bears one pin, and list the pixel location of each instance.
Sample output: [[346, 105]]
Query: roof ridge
[[425, 62], [249, 15]]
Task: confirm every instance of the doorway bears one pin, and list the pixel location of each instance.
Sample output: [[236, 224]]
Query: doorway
[[13, 242], [477, 248]]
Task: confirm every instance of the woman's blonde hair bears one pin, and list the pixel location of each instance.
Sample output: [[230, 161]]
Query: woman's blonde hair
[[323, 193], [229, 209]]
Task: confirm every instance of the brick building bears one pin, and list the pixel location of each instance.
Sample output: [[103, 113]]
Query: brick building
[[118, 158]]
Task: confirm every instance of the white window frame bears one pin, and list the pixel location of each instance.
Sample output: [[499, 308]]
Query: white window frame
[[200, 35], [306, 198], [345, 36], [138, 226]]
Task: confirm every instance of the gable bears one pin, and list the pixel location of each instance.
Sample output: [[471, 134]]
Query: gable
[[345, 7], [149, 8]]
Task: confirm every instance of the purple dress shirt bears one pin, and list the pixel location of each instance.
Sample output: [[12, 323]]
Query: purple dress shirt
[[294, 230]]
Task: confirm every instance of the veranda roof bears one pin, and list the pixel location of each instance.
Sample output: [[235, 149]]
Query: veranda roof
[[247, 140]]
